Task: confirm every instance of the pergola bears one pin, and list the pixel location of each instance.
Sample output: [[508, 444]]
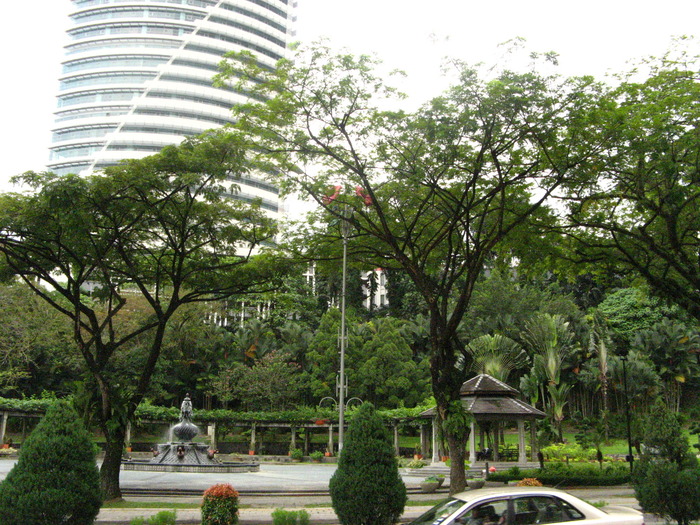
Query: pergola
[[492, 402]]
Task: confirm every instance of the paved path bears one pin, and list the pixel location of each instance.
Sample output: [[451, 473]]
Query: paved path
[[287, 478]]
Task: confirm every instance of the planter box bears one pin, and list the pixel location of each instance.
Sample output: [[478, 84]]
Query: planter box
[[476, 483], [429, 486]]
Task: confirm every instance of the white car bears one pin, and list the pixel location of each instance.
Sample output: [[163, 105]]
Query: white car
[[524, 506]]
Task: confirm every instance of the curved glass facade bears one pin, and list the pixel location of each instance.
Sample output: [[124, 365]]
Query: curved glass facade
[[138, 77]]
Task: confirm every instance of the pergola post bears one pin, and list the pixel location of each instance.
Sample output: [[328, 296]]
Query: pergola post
[[397, 449], [252, 439], [436, 452], [127, 435], [307, 441], [293, 443], [3, 426], [522, 456], [211, 430], [330, 438]]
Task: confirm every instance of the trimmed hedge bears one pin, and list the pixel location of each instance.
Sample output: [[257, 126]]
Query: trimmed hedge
[[301, 415], [561, 474]]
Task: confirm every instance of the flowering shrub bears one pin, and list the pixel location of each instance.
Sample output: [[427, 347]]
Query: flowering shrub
[[573, 451], [529, 482], [220, 505]]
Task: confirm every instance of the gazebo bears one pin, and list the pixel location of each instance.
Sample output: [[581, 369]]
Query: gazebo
[[491, 402]]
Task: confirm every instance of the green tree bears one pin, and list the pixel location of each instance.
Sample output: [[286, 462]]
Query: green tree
[[387, 375], [674, 350], [367, 489], [638, 211], [271, 383], [435, 193], [36, 351], [55, 479], [160, 229], [667, 479]]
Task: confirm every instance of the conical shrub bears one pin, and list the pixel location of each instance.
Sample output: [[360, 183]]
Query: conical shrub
[[367, 489], [56, 479]]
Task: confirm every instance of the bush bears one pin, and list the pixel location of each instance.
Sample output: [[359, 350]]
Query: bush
[[290, 517], [558, 473], [367, 489], [667, 491], [55, 479], [164, 517], [316, 455], [296, 454], [220, 505], [529, 482], [573, 451], [416, 463]]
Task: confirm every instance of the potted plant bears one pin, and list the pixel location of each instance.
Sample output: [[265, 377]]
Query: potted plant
[[296, 454], [316, 456], [417, 454], [430, 484]]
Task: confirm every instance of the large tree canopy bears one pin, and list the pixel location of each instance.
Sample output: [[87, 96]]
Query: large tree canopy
[[161, 229], [639, 210], [436, 192]]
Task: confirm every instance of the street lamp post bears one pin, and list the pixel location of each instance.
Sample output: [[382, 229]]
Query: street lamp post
[[345, 227], [623, 358]]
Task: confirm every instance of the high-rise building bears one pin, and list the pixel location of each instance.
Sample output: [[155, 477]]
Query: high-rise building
[[137, 76]]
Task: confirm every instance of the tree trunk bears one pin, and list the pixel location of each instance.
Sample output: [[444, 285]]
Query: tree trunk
[[458, 454], [111, 466]]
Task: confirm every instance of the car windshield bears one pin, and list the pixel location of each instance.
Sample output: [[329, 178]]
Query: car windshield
[[439, 512]]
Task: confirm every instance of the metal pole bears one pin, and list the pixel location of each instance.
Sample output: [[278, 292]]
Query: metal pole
[[341, 394], [627, 411]]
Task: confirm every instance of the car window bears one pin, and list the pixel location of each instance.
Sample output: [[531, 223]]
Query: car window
[[539, 510], [439, 512], [493, 512]]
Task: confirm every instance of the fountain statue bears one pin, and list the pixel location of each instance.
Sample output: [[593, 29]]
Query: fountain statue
[[183, 454]]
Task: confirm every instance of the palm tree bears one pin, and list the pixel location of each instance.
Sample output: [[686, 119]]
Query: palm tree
[[550, 341], [496, 355]]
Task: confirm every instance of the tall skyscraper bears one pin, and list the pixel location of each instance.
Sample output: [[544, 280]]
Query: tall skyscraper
[[138, 76]]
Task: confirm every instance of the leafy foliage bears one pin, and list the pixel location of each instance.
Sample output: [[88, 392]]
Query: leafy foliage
[[638, 209], [146, 237], [55, 479], [220, 505], [367, 489]]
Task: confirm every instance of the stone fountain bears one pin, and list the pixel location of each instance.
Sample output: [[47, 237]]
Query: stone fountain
[[183, 454]]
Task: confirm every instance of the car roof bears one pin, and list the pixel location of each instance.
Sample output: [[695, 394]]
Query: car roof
[[472, 495]]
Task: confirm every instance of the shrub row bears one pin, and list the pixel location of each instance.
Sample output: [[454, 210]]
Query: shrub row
[[561, 474]]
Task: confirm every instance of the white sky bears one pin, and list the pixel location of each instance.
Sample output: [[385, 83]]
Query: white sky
[[591, 36]]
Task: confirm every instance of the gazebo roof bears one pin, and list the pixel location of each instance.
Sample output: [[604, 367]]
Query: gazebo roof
[[484, 385], [489, 399]]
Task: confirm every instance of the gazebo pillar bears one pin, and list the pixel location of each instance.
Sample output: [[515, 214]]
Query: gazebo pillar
[[424, 447], [522, 456], [472, 442], [436, 452]]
